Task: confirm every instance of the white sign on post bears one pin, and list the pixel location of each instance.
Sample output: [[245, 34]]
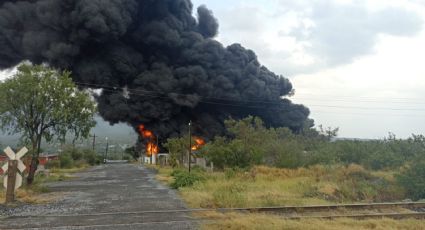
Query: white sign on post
[[21, 166]]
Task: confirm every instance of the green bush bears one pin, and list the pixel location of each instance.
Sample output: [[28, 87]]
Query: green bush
[[127, 157], [183, 178], [385, 160], [53, 164], [231, 196], [66, 160], [230, 173], [75, 153], [413, 180], [89, 157], [80, 164]]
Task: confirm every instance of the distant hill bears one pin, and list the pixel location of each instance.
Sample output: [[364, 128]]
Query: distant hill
[[120, 133]]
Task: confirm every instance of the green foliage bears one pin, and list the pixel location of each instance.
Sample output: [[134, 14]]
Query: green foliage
[[413, 180], [75, 153], [81, 156], [127, 157], [250, 142], [132, 152], [89, 156], [352, 183], [42, 103], [178, 149], [182, 178], [53, 164], [231, 196], [66, 160], [74, 157], [41, 100]]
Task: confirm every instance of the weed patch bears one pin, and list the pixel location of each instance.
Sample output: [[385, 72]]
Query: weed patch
[[183, 178]]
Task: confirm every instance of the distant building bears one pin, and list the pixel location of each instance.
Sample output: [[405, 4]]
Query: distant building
[[43, 160]]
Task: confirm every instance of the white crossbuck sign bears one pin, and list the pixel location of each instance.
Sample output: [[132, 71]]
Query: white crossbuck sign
[[21, 166]]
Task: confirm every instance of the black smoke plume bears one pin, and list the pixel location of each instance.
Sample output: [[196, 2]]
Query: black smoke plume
[[157, 63]]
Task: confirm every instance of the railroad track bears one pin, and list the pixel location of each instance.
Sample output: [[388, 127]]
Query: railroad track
[[416, 208], [315, 208]]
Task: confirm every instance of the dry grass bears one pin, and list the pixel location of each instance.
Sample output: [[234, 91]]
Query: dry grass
[[264, 186], [164, 175], [259, 221], [33, 195], [38, 193]]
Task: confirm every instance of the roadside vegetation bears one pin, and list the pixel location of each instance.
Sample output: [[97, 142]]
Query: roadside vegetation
[[71, 160], [259, 221], [257, 166], [41, 103], [312, 164]]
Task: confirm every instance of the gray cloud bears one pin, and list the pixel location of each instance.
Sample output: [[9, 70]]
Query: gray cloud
[[343, 32]]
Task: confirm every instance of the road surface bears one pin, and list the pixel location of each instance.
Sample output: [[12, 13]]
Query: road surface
[[113, 196]]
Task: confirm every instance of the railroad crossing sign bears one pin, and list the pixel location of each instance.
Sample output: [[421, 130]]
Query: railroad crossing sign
[[19, 164]]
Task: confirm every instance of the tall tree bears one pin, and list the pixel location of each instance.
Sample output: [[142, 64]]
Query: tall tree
[[42, 103]]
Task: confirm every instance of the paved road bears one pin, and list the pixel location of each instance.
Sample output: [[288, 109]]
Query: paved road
[[102, 192]]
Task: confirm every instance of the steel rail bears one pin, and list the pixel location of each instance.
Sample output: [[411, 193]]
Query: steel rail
[[413, 215], [282, 209], [397, 216]]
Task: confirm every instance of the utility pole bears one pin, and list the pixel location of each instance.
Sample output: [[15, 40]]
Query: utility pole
[[106, 151], [190, 143], [94, 141]]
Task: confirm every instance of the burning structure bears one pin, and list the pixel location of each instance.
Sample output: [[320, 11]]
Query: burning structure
[[157, 64]]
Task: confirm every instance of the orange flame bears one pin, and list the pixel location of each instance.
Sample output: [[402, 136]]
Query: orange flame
[[151, 147], [199, 142]]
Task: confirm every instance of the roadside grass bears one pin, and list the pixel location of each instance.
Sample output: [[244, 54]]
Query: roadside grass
[[214, 220], [38, 192], [263, 186]]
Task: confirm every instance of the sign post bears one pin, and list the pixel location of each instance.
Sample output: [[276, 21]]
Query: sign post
[[13, 168], [11, 181]]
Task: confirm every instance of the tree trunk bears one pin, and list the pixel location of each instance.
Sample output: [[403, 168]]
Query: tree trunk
[[34, 160], [33, 169]]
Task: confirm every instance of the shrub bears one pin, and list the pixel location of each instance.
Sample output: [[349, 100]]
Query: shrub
[[127, 157], [413, 180], [230, 196], [89, 156], [230, 173], [80, 164], [75, 153], [384, 160], [53, 164], [66, 160], [185, 179]]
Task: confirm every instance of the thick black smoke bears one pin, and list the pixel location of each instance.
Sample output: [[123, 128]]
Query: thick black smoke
[[157, 63]]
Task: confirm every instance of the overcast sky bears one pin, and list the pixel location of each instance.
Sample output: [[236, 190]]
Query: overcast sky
[[358, 65]]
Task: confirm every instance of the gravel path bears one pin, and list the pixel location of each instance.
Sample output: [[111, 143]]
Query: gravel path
[[115, 196]]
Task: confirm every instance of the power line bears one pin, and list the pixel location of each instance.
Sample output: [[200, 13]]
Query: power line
[[361, 101], [370, 114], [259, 101], [180, 94], [359, 97], [202, 100]]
